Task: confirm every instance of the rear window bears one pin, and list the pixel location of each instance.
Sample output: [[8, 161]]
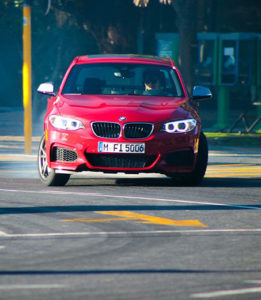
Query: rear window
[[123, 79]]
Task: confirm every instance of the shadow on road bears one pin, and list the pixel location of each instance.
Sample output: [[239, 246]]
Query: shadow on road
[[138, 181], [167, 182], [95, 208], [121, 271]]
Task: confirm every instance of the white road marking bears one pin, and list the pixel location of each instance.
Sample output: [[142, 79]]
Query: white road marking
[[227, 293], [18, 138], [30, 286], [2, 233], [127, 233], [128, 197]]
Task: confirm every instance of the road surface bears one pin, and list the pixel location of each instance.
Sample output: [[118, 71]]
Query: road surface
[[131, 237]]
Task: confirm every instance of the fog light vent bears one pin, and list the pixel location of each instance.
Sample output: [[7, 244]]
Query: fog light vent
[[64, 155]]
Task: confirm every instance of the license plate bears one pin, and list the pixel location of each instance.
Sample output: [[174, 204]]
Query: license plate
[[121, 147]]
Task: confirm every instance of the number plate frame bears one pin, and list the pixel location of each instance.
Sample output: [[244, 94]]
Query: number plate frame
[[108, 147]]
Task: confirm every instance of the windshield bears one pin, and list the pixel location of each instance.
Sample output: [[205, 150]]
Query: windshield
[[123, 79]]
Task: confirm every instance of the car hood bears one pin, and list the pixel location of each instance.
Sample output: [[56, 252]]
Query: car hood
[[134, 108]]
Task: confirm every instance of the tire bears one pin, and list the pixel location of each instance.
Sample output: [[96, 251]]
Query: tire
[[196, 177], [47, 175]]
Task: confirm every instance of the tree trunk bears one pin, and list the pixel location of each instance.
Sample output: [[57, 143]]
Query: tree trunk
[[186, 11]]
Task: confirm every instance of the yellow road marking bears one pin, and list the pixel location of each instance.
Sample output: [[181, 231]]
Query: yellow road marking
[[140, 218], [229, 165], [236, 167], [233, 170], [258, 170], [241, 175]]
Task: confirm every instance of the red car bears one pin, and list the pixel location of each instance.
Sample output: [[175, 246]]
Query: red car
[[122, 113]]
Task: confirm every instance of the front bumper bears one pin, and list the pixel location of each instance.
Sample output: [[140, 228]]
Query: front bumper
[[164, 153]]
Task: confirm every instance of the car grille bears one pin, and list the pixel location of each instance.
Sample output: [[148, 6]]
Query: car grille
[[137, 130], [120, 161], [130, 130], [64, 155], [106, 129]]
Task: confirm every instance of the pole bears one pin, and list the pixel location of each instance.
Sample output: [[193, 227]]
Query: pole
[[223, 97], [258, 96], [258, 127], [223, 107], [27, 79]]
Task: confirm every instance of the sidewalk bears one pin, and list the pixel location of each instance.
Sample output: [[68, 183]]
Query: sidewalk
[[234, 155], [12, 122], [14, 145]]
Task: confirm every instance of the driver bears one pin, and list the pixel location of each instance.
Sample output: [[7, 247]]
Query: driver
[[153, 81]]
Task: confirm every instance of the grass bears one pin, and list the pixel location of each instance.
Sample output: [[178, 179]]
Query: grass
[[234, 139]]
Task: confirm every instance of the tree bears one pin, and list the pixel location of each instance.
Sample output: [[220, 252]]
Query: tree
[[113, 24], [186, 24]]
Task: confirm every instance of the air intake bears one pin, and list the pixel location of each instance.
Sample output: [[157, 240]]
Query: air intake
[[64, 155]]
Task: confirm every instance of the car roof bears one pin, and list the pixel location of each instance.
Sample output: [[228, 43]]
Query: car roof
[[124, 58]]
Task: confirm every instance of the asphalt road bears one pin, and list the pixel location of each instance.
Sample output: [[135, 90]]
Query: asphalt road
[[131, 237]]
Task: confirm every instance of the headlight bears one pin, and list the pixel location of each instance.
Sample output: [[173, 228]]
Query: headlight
[[180, 126], [65, 123]]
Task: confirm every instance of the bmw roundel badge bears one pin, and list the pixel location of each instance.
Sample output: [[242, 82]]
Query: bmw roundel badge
[[122, 118]]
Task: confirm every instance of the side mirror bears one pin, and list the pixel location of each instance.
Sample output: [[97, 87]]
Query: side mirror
[[201, 93], [46, 89]]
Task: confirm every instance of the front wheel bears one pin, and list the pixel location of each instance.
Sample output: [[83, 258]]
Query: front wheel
[[195, 177], [47, 175]]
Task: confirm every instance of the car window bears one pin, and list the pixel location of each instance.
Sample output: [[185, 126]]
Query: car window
[[122, 79]]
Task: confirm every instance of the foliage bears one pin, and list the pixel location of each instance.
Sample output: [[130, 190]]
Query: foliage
[[144, 3], [86, 26]]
